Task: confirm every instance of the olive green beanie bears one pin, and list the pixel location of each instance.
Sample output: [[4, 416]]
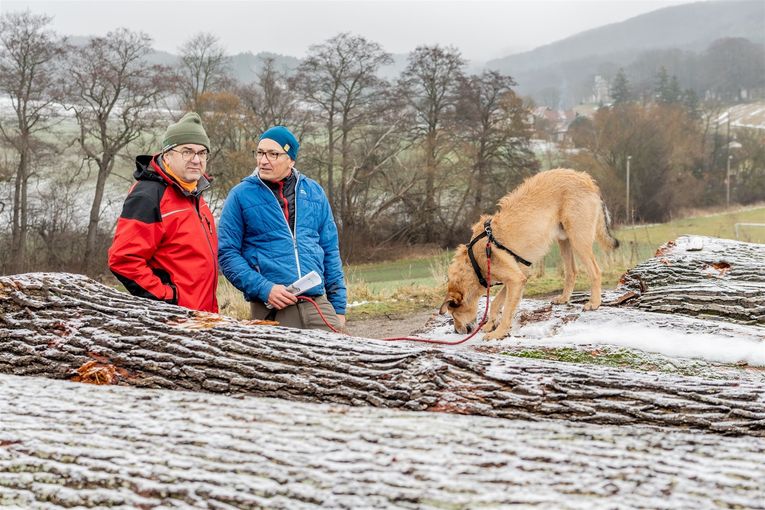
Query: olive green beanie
[[187, 130]]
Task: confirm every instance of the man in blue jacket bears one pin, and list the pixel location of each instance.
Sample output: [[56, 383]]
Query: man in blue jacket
[[276, 227]]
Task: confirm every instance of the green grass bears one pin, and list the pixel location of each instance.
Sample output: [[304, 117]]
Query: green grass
[[605, 356], [412, 271], [379, 283], [626, 358], [632, 359], [715, 225]]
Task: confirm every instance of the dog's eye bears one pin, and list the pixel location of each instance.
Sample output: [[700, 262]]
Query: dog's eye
[[454, 304]]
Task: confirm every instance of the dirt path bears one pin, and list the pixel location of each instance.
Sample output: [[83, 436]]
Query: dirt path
[[389, 325]]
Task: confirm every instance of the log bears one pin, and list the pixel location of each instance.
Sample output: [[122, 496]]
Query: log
[[700, 276], [67, 326], [65, 445]]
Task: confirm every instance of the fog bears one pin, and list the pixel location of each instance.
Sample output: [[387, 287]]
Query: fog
[[482, 30]]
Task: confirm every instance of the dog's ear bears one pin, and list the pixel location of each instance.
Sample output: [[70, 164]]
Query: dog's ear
[[453, 300]]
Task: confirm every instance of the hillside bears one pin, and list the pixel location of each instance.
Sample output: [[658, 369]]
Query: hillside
[[244, 66], [570, 64], [689, 26]]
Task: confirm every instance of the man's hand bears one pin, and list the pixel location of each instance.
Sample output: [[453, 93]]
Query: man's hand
[[280, 297], [341, 318]]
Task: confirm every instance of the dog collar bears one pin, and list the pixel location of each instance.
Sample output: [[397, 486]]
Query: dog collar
[[487, 232]]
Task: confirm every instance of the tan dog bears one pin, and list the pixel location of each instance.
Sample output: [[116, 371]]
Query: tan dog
[[560, 204]]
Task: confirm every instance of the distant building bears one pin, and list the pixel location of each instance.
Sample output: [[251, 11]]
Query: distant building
[[552, 123], [586, 110], [600, 91]]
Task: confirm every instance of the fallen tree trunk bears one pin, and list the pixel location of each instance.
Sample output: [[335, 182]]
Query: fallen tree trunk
[[65, 445], [700, 276], [53, 324]]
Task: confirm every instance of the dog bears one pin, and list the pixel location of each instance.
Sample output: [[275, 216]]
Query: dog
[[560, 204]]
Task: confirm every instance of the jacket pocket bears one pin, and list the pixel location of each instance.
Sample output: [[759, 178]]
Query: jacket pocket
[[164, 277]]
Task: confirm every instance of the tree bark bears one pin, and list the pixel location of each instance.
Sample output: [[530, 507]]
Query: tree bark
[[20, 224], [701, 276], [105, 165], [53, 324], [65, 445]]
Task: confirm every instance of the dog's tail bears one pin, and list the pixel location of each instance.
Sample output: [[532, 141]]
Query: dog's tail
[[605, 236]]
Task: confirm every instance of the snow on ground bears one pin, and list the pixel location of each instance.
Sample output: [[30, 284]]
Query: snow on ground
[[538, 324]]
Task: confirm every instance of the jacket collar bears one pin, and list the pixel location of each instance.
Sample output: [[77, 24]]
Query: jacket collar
[[150, 168], [287, 182], [256, 175]]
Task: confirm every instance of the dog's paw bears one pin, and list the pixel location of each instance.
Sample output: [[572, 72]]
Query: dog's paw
[[490, 326], [495, 335], [591, 306], [559, 300]]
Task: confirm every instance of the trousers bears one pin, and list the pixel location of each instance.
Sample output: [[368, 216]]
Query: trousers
[[302, 315]]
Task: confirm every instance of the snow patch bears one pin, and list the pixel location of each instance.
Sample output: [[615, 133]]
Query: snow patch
[[569, 325]]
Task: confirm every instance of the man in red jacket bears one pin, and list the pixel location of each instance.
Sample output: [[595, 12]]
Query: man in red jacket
[[165, 246]]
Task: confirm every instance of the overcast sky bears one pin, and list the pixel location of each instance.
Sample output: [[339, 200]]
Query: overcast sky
[[482, 30]]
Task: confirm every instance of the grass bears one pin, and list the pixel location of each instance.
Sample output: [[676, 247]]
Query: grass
[[231, 301], [621, 357], [603, 356], [626, 358]]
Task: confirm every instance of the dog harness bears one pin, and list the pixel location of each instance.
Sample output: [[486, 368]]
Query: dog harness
[[490, 239]]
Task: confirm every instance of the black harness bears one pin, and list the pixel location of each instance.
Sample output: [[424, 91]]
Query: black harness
[[491, 239]]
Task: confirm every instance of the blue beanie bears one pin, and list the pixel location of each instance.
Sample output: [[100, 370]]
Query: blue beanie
[[283, 137]]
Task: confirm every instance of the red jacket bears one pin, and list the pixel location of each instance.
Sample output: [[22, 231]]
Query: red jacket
[[165, 246]]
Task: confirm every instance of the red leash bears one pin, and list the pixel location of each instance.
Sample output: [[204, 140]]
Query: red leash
[[424, 340]]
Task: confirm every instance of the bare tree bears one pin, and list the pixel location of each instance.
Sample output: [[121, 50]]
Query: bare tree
[[29, 53], [429, 85], [270, 98], [204, 68], [495, 133], [371, 183], [340, 77], [110, 88], [228, 123], [58, 224]]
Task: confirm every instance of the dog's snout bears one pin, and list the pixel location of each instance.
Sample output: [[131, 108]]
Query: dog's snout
[[470, 327]]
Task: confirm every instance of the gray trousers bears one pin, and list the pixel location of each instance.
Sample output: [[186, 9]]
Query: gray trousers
[[302, 315]]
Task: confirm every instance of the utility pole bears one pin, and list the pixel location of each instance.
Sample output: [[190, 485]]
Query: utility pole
[[727, 183], [629, 216]]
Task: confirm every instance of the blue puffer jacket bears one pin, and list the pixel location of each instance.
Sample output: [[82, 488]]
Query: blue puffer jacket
[[256, 248]]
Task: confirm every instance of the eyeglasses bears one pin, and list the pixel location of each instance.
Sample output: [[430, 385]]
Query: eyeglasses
[[188, 154], [270, 155]]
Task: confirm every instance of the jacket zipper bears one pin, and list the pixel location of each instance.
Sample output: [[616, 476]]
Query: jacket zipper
[[281, 213], [202, 220], [294, 235]]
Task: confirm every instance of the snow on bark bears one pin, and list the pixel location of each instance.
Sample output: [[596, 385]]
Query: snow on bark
[[701, 276], [65, 445], [539, 324], [53, 324]]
